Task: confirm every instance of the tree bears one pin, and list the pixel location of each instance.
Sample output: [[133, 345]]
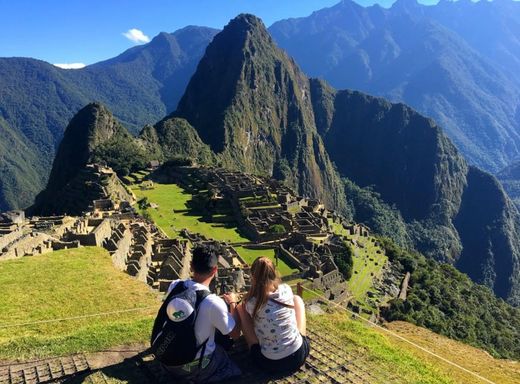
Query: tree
[[277, 229]]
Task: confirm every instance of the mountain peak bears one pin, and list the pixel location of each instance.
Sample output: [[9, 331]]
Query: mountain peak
[[92, 125], [228, 61], [244, 27], [246, 20], [262, 120], [406, 5]]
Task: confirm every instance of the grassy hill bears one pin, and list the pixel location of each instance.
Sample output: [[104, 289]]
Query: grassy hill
[[393, 361], [476, 360], [65, 284]]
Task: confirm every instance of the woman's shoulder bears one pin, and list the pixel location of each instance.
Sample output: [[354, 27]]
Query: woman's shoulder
[[284, 292]]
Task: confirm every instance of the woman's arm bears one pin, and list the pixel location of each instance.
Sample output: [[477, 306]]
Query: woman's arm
[[248, 329], [301, 320]]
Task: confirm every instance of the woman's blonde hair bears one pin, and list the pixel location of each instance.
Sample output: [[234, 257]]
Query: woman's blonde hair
[[264, 278]]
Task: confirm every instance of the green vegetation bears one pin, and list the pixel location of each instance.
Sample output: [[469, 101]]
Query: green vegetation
[[446, 301], [369, 260], [345, 262], [376, 353], [510, 179], [277, 228], [64, 284], [368, 208], [20, 171], [249, 255], [173, 214], [176, 141], [122, 153]]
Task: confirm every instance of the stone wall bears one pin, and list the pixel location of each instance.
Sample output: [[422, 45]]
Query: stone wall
[[28, 245], [7, 239], [96, 238], [123, 243], [289, 258]]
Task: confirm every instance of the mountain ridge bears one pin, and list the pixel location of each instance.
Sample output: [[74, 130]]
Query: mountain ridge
[[50, 96], [300, 126], [416, 54]]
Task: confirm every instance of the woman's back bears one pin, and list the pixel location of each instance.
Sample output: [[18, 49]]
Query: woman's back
[[275, 324]]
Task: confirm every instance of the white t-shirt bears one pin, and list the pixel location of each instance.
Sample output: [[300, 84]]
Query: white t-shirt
[[275, 325], [213, 314]]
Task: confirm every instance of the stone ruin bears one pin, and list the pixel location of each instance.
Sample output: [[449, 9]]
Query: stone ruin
[[316, 261], [311, 224], [265, 209], [233, 271], [35, 236], [357, 229], [170, 261], [12, 217], [237, 184], [259, 224], [258, 205]]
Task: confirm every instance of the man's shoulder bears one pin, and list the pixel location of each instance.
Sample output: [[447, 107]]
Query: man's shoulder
[[214, 302]]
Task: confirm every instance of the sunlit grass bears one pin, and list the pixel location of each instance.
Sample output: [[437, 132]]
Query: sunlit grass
[[250, 255], [368, 265], [173, 214], [65, 284], [377, 353]]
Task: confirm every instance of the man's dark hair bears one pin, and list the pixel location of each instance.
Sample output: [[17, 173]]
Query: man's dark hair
[[205, 258]]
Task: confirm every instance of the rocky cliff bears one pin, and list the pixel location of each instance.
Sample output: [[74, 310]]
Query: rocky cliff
[[251, 104], [454, 213]]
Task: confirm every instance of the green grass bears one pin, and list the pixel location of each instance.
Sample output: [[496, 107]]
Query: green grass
[[362, 278], [250, 255], [337, 228], [65, 284], [377, 353], [363, 275], [308, 294], [173, 214]]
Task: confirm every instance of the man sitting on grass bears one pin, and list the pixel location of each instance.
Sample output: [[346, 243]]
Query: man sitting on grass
[[190, 309]]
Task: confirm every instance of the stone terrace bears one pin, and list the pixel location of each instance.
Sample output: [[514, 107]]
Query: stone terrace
[[317, 263]]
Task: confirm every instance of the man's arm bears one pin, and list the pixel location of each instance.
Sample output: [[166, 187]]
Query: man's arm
[[231, 301]]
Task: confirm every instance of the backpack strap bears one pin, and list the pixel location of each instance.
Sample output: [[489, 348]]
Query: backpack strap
[[179, 287], [201, 295]]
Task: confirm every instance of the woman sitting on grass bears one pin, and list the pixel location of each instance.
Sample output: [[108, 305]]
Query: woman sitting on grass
[[273, 321]]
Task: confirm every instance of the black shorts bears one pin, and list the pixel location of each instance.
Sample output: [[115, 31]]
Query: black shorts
[[288, 364]]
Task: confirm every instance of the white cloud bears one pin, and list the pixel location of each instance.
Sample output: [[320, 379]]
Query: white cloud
[[136, 35], [70, 65]]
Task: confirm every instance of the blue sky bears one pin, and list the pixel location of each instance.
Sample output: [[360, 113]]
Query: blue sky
[[87, 31]]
